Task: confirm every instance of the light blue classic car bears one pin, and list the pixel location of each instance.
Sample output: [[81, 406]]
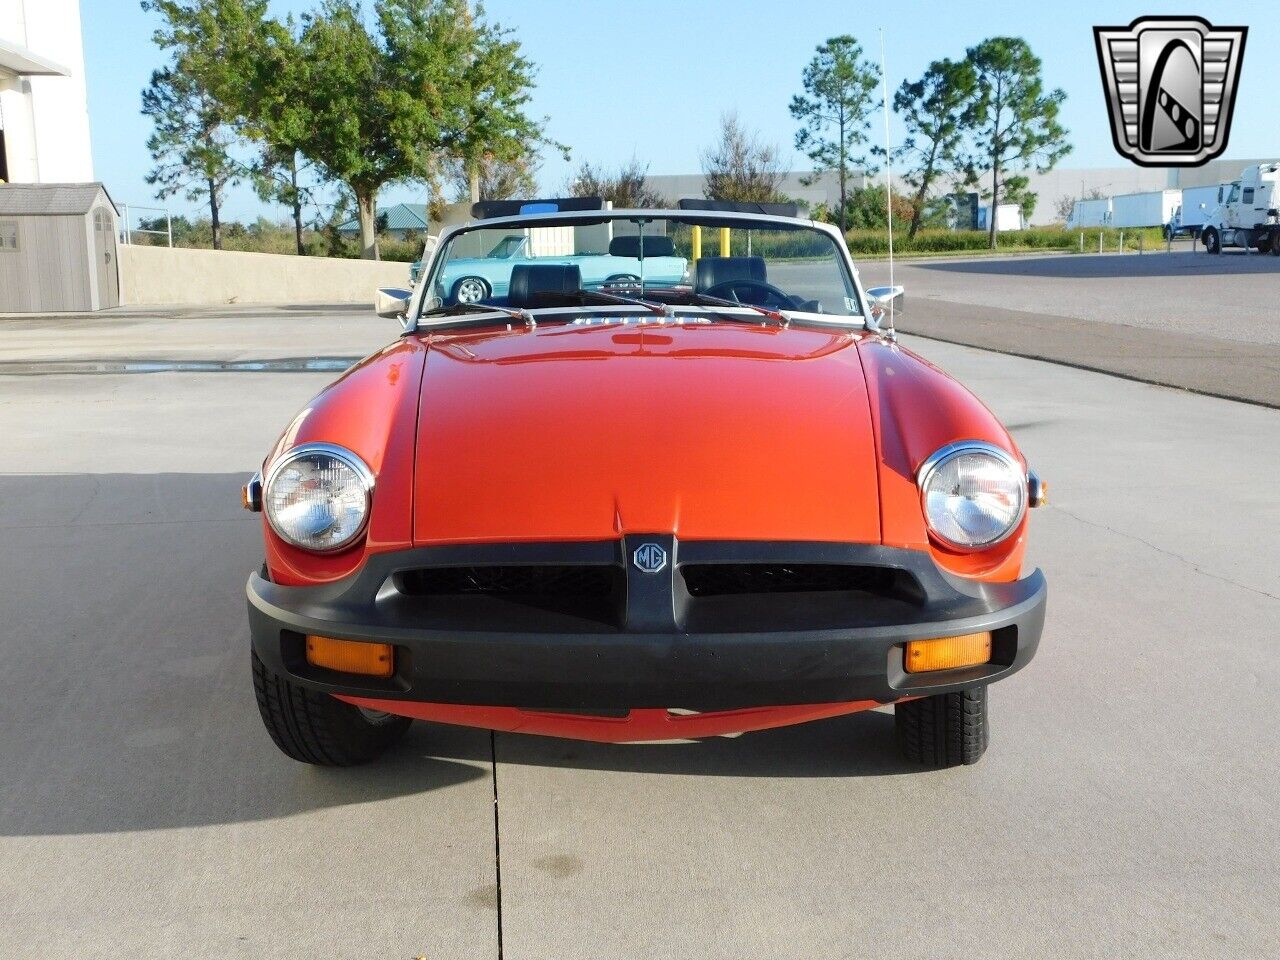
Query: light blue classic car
[[469, 279]]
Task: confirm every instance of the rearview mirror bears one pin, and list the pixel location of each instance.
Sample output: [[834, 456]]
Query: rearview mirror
[[392, 302], [880, 299]]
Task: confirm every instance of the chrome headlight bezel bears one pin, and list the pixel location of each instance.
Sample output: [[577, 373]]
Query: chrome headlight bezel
[[344, 456], [944, 455]]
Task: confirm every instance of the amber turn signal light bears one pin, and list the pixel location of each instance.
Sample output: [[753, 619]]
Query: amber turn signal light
[[945, 653], [351, 656]]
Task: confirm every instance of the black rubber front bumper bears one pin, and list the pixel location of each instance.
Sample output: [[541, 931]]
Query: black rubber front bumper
[[666, 640]]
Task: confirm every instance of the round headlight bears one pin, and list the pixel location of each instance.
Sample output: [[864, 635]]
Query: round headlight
[[317, 497], [974, 494]]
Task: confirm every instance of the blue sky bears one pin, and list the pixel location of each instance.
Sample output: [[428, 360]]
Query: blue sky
[[651, 77]]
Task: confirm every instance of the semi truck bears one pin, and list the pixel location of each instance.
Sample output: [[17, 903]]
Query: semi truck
[[1249, 214]]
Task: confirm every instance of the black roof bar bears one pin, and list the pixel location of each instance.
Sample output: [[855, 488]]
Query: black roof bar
[[735, 206]]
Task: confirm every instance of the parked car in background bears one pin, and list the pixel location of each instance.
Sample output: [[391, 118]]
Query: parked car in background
[[472, 279], [724, 501]]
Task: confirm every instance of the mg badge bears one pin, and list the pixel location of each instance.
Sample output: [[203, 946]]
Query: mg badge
[[1171, 87], [649, 558]]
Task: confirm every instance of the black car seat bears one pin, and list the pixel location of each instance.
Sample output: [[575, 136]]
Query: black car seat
[[713, 271], [533, 285], [629, 246]]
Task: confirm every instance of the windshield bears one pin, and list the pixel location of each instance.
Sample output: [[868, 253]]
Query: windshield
[[692, 260]]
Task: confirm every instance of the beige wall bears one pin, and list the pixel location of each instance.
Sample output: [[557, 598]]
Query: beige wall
[[160, 275]]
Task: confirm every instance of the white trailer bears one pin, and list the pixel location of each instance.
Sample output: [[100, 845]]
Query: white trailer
[[1090, 213], [1197, 206], [1249, 213], [1154, 208], [1008, 217]]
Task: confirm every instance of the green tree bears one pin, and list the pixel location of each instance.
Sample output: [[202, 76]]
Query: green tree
[[191, 143], [1014, 120], [492, 178], [739, 166], [627, 187], [932, 109], [497, 139], [282, 175], [835, 110], [377, 106], [194, 101]]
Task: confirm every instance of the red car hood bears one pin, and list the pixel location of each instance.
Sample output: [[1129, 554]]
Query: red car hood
[[709, 431]]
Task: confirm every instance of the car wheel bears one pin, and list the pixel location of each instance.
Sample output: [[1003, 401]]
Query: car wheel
[[470, 290], [1275, 245], [1211, 244], [313, 727], [946, 730], [1264, 244], [622, 281]]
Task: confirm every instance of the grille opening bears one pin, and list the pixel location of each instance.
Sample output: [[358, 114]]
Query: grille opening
[[592, 592], [737, 579]]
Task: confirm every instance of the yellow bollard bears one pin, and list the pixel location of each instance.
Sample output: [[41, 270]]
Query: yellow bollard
[[724, 241], [695, 241]]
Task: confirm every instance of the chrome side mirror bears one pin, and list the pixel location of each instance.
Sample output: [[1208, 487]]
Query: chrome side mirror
[[392, 303], [881, 298]]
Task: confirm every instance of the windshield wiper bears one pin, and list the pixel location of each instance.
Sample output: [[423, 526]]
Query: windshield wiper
[[479, 306], [706, 300], [661, 309]]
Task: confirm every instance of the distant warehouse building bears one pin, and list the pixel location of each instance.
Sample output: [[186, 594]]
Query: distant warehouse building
[[1071, 183]]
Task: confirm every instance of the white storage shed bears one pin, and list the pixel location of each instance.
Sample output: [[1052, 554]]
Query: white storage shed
[[57, 248]]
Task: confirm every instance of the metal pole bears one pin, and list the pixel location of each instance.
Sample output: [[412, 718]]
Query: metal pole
[[1140, 241], [1099, 241], [128, 237], [1082, 241], [168, 219], [1122, 241]]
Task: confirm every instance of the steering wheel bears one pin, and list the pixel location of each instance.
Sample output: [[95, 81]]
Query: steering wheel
[[740, 291]]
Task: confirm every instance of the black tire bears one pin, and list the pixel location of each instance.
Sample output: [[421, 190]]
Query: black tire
[[947, 730], [1264, 243], [313, 727], [1211, 243], [470, 288], [1275, 245]]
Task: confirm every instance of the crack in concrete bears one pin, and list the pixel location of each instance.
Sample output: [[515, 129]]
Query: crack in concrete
[[1161, 550]]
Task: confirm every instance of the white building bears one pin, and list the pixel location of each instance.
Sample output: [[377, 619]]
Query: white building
[[44, 110]]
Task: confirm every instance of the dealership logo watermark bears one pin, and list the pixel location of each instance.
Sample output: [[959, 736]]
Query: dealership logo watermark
[[649, 558], [1171, 88]]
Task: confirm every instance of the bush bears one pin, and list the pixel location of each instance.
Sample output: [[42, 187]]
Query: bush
[[976, 241]]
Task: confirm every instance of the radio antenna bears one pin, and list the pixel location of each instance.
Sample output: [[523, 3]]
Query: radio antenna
[[888, 179]]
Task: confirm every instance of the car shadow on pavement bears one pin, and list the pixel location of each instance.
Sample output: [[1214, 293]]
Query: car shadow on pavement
[[126, 698], [126, 701], [856, 745], [1103, 266]]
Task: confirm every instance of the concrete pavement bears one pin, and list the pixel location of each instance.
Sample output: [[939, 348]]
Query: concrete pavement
[[1186, 320], [1125, 807]]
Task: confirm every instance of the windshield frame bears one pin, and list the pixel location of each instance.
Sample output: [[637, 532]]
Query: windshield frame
[[415, 320]]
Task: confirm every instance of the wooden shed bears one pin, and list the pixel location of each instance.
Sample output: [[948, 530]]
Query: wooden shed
[[57, 248]]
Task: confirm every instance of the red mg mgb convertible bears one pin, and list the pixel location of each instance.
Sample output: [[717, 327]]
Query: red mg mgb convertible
[[715, 499]]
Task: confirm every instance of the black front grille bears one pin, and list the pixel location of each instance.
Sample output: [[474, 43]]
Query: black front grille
[[736, 579], [594, 592]]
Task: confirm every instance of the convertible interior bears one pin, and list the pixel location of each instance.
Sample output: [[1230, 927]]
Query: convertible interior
[[739, 279]]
